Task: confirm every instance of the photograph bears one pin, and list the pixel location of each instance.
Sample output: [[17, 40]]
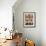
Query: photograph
[[29, 19]]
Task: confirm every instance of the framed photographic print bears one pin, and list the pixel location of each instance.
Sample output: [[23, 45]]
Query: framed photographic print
[[29, 19]]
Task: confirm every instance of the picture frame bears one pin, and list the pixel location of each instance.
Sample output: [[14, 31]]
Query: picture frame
[[29, 19]]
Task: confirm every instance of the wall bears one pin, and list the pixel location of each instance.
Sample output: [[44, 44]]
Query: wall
[[6, 16], [6, 13], [28, 6], [43, 22]]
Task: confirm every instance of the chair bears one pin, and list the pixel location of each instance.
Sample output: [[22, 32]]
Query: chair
[[18, 39], [29, 43]]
